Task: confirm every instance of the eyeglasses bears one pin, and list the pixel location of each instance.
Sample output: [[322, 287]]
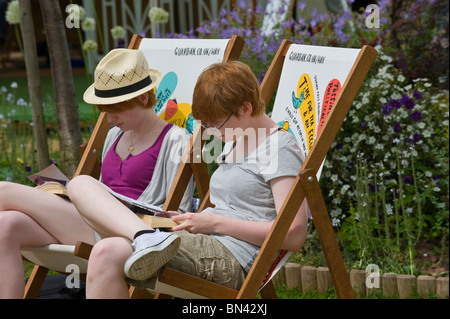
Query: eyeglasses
[[217, 127]]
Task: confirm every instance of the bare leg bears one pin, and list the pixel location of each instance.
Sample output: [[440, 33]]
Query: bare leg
[[102, 211], [105, 278], [30, 217], [17, 230], [56, 215]]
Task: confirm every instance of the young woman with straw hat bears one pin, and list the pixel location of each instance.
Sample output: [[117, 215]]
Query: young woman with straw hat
[[140, 158]]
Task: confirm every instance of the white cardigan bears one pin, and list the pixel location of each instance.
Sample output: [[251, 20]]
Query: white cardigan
[[172, 150]]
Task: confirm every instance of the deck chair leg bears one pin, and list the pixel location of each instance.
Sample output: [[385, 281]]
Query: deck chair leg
[[35, 282], [268, 291], [140, 293], [326, 235]]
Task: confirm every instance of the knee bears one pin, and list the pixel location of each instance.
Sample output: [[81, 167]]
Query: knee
[[108, 257], [79, 184], [9, 223]]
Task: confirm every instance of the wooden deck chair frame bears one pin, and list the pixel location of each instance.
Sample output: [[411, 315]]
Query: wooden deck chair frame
[[89, 165], [306, 186]]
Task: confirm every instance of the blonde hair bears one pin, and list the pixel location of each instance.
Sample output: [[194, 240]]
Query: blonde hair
[[128, 105], [222, 89]]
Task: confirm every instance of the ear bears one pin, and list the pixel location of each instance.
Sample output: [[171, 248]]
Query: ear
[[246, 109], [144, 98]]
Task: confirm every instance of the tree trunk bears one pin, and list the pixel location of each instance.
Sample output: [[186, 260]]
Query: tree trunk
[[65, 101], [34, 83]]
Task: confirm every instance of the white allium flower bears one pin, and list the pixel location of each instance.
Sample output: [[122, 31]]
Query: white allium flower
[[118, 32], [158, 15], [88, 24], [12, 15], [90, 46]]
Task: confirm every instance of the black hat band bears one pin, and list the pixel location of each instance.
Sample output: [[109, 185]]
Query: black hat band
[[124, 90]]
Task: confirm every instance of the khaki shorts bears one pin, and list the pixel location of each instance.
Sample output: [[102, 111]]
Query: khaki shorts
[[205, 257]]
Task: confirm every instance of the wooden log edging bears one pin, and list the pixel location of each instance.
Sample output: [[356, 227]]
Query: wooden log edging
[[293, 275]]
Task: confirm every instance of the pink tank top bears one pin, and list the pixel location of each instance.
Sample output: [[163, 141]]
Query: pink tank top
[[131, 176]]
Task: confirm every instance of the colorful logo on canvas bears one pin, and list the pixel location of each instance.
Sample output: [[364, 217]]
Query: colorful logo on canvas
[[174, 112], [303, 100], [331, 92], [179, 114], [285, 126]]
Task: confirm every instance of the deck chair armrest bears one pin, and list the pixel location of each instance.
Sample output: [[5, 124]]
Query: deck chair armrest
[[83, 250]]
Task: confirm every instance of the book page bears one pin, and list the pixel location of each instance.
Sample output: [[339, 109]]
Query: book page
[[51, 173]]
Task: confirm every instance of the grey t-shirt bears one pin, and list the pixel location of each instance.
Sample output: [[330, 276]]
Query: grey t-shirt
[[241, 189]]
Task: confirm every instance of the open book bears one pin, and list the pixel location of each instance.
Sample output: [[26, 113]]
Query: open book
[[52, 180]]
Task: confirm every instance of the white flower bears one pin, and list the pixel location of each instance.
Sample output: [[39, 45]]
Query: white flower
[[389, 209], [21, 102], [88, 24], [14, 85], [344, 189], [118, 32], [158, 15], [371, 140], [336, 222], [90, 46], [12, 15]]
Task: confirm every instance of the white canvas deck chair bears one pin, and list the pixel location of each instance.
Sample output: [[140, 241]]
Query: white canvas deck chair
[[310, 81], [180, 61]]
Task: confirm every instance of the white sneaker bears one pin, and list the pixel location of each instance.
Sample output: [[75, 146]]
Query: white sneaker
[[151, 252]]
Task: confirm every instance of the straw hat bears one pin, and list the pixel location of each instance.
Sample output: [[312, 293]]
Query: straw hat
[[120, 76]]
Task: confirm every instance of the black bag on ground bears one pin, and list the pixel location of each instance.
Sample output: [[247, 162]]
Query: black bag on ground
[[54, 287]]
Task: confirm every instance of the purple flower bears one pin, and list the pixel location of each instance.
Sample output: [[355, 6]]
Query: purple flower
[[259, 9], [407, 179], [407, 140], [407, 102], [301, 6], [397, 128], [416, 116], [214, 25], [417, 137], [395, 104], [387, 109], [364, 125], [417, 95], [235, 16], [242, 4], [436, 176]]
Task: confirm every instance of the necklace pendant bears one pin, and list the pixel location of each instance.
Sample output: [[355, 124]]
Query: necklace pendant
[[131, 149]]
